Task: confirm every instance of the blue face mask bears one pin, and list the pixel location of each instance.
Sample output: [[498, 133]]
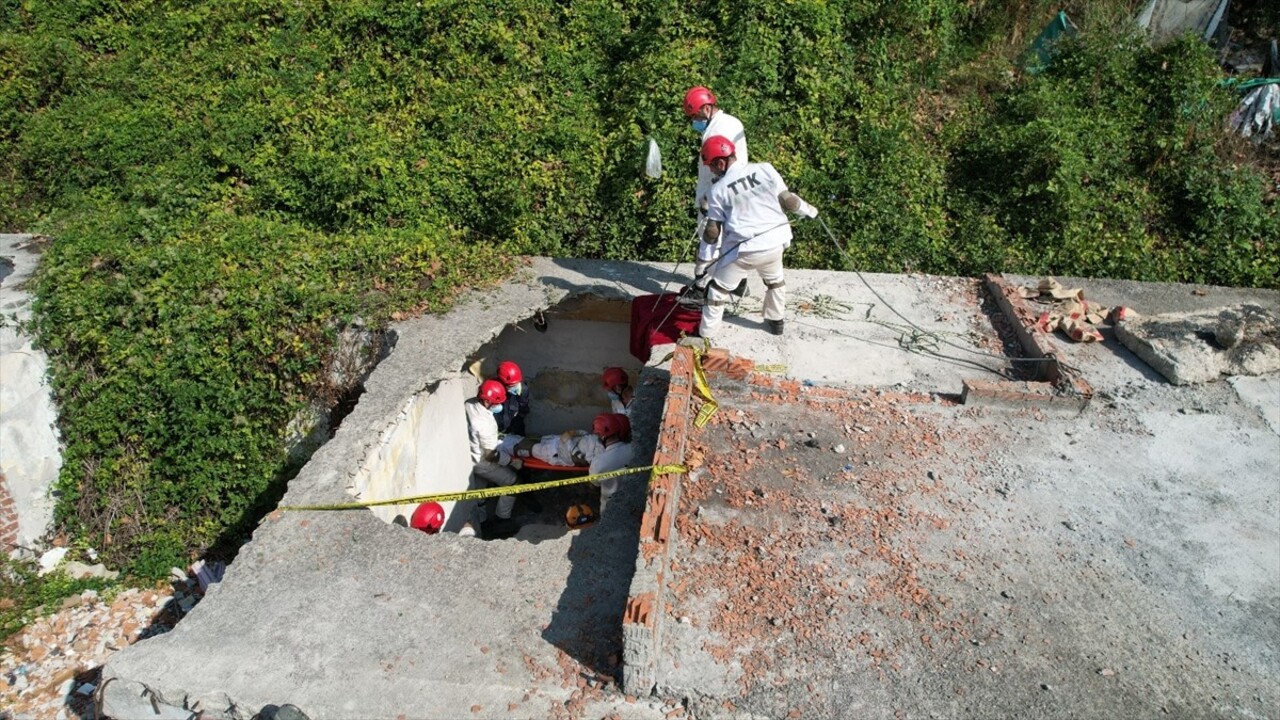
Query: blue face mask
[[517, 389], [699, 126], [496, 409]]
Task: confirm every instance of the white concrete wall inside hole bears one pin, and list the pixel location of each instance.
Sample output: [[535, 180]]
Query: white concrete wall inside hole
[[563, 365], [427, 450]]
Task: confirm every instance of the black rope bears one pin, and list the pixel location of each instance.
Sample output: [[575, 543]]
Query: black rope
[[982, 353]]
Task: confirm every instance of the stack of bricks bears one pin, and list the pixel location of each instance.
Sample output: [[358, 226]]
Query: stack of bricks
[[719, 360], [641, 621], [1005, 393]]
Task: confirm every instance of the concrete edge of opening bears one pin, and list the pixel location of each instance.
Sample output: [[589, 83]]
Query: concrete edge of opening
[[429, 349], [302, 551]]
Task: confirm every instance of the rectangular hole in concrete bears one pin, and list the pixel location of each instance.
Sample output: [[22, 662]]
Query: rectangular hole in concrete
[[562, 353]]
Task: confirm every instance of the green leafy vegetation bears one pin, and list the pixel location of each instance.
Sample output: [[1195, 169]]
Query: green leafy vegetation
[[230, 184]]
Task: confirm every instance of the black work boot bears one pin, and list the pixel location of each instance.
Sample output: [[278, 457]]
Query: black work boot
[[775, 326], [499, 528]]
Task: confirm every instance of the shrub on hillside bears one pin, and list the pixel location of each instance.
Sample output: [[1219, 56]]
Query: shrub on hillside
[[1107, 164], [229, 183]]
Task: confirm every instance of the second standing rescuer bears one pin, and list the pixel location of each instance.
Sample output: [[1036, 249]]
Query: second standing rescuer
[[710, 121], [745, 215]]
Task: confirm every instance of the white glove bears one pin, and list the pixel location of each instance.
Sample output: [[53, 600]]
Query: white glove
[[807, 210]]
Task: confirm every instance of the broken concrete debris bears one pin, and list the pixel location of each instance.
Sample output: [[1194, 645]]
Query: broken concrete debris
[[1196, 347], [1068, 311]]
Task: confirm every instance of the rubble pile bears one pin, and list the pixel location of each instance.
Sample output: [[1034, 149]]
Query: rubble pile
[[51, 668], [804, 544]]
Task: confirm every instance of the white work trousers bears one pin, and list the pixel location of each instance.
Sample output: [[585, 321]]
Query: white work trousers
[[768, 263], [498, 475]]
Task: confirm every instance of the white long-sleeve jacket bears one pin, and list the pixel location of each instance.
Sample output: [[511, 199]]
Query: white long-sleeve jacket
[[482, 429]]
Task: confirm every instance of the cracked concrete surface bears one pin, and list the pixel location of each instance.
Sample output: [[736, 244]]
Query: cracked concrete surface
[[347, 616]]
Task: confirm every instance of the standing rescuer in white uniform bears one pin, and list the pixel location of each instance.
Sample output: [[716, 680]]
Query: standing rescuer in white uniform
[[745, 216], [710, 121]]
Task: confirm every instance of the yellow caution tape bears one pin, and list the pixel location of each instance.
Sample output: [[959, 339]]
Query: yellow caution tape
[[495, 491], [710, 405], [700, 383]]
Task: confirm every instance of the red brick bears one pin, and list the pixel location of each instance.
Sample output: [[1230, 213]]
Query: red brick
[[8, 517]]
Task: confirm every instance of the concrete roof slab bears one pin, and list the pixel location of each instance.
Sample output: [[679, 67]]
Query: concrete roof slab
[[344, 615], [878, 554]]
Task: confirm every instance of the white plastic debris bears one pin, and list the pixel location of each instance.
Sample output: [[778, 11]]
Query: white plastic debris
[[207, 574], [51, 559], [1257, 112]]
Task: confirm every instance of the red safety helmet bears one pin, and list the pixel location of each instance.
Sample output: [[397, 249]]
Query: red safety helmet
[[509, 373], [717, 147], [696, 98], [608, 425], [492, 392], [615, 376], [428, 517]]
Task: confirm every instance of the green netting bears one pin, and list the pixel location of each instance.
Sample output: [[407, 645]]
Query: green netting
[[1037, 58]]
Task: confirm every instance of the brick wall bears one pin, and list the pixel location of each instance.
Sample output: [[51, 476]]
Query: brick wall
[[8, 517], [643, 616]]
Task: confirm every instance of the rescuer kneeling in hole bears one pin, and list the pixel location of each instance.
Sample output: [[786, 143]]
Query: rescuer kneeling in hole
[[516, 407], [614, 431], [490, 465], [617, 385]]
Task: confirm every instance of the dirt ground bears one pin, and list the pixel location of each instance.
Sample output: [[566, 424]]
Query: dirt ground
[[871, 553]]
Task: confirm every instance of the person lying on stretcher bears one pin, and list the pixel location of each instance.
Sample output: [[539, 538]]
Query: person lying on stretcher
[[568, 449]]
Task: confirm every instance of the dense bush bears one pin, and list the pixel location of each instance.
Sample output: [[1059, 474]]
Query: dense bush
[[1113, 163], [228, 184]]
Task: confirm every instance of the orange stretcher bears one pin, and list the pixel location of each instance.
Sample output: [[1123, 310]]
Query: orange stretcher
[[534, 463]]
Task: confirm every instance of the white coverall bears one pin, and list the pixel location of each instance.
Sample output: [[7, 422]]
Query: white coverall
[[615, 457], [482, 428], [724, 125], [754, 232]]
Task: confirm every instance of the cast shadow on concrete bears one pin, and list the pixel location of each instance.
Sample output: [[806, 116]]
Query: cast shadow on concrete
[[586, 622], [622, 282], [1112, 343]]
